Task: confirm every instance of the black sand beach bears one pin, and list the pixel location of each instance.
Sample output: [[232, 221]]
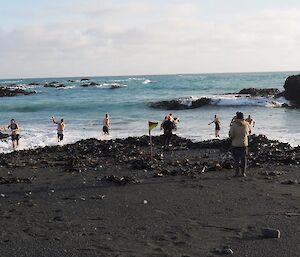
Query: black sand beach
[[102, 198]]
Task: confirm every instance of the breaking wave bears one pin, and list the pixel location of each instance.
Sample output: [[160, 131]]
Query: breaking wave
[[193, 102], [241, 100]]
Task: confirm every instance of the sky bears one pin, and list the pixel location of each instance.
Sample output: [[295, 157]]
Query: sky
[[65, 38]]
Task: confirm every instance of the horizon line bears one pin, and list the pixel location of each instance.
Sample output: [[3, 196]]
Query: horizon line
[[162, 74]]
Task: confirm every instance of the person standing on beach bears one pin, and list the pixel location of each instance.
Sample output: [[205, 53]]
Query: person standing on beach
[[106, 124], [217, 126], [251, 123], [171, 117], [161, 125], [15, 134], [60, 129], [239, 132], [168, 127]]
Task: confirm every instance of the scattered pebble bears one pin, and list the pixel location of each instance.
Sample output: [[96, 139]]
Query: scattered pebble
[[270, 233]]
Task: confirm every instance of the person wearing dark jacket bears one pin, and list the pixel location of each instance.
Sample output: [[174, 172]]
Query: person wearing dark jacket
[[168, 127]]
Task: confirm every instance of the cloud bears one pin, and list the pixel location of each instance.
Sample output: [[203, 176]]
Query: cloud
[[150, 38]]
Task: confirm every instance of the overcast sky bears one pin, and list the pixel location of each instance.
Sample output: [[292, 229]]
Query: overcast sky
[[59, 38]]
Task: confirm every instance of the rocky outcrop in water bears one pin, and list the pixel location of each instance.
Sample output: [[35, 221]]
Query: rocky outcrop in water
[[264, 92], [54, 84], [34, 84], [4, 91], [292, 89], [90, 84], [179, 104]]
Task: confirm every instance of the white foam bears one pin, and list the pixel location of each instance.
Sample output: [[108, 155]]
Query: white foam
[[138, 79], [148, 81], [66, 88], [241, 100], [33, 138], [237, 100], [111, 85]]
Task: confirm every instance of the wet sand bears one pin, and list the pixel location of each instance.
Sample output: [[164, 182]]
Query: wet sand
[[64, 201]]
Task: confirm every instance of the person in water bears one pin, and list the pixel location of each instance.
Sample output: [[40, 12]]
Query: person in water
[[106, 124], [251, 123], [15, 134], [239, 132], [60, 129], [217, 126]]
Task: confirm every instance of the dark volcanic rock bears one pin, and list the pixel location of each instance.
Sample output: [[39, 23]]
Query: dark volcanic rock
[[34, 84], [134, 152], [213, 144], [200, 102], [71, 81], [14, 180], [54, 85], [3, 136], [292, 89], [4, 91], [91, 84], [260, 91], [120, 180], [85, 79], [178, 104]]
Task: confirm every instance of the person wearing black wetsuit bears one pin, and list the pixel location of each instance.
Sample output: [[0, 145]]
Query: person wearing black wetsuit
[[167, 126], [217, 126], [15, 136]]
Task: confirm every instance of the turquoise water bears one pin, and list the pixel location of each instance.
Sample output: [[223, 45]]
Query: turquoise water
[[83, 108]]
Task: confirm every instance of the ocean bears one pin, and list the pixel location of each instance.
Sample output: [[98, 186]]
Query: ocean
[[83, 108]]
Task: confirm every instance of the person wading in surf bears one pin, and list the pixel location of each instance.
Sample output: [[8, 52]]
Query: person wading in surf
[[60, 129], [217, 126], [106, 124], [15, 134]]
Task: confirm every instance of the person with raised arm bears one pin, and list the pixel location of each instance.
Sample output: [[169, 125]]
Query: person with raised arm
[[60, 129]]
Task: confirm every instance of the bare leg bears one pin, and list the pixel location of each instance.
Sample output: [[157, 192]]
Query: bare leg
[[14, 145]]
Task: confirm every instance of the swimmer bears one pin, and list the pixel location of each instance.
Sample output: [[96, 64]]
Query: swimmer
[[217, 126]]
